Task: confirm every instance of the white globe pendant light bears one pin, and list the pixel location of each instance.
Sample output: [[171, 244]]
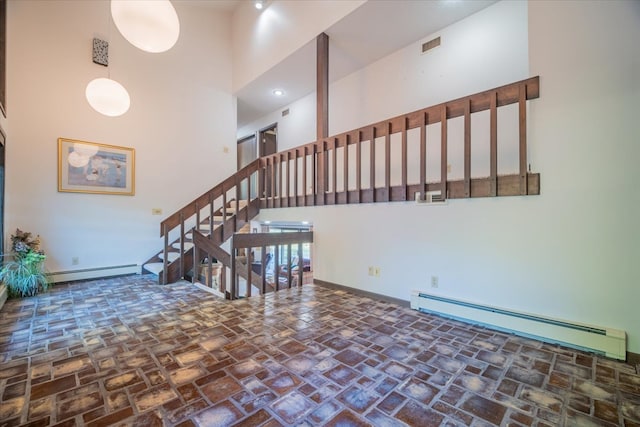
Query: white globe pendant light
[[107, 97], [150, 25]]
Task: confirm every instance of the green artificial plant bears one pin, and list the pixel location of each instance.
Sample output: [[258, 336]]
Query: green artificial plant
[[24, 274]]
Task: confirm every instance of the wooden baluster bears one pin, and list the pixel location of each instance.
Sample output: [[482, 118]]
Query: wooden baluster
[[359, 167], [247, 217], [314, 174], [196, 255], [165, 269], [223, 280], [405, 168], [289, 274], [272, 203], [387, 163], [345, 167], [209, 278], [276, 266], [278, 175], [321, 170], [211, 215], [334, 171], [295, 178], [423, 157], [224, 213], [467, 148], [182, 254], [304, 176], [197, 216], [249, 270], [493, 150], [233, 289], [443, 153], [522, 104], [372, 164], [300, 265], [263, 269], [288, 160], [236, 217]]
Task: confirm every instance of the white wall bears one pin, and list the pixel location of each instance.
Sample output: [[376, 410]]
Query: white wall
[[569, 253], [261, 39], [182, 114]]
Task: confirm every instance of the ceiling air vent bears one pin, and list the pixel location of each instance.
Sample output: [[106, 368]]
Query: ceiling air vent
[[285, 112], [430, 44]]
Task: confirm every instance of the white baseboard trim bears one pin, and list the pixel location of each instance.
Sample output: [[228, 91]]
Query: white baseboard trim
[[93, 273]]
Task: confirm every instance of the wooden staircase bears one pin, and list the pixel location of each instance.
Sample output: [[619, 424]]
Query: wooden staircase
[[335, 171]]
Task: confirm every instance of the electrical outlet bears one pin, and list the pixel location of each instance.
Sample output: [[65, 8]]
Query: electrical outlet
[[371, 271], [434, 281], [75, 260], [156, 211], [448, 168], [376, 271]]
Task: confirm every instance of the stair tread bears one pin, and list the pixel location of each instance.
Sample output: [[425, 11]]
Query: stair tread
[[153, 267], [187, 245], [171, 256]]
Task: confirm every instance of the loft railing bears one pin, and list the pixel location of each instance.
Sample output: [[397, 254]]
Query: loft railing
[[242, 266], [309, 175]]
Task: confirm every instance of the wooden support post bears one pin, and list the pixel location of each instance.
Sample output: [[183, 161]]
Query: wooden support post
[[522, 104], [322, 86], [493, 150], [443, 153], [467, 148]]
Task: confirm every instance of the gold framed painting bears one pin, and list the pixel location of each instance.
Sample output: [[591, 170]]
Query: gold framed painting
[[89, 167]]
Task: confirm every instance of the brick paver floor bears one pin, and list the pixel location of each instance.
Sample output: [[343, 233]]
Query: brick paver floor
[[127, 351]]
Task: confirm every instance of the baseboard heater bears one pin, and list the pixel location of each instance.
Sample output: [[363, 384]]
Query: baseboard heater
[[94, 273], [605, 341]]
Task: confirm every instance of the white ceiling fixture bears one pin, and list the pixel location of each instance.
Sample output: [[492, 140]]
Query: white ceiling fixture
[[278, 92], [152, 26], [107, 97], [258, 4]]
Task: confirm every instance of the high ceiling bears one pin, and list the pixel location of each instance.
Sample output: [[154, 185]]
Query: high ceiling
[[371, 32]]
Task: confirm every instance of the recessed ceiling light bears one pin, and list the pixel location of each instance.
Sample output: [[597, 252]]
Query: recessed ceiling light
[[258, 4], [278, 92]]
